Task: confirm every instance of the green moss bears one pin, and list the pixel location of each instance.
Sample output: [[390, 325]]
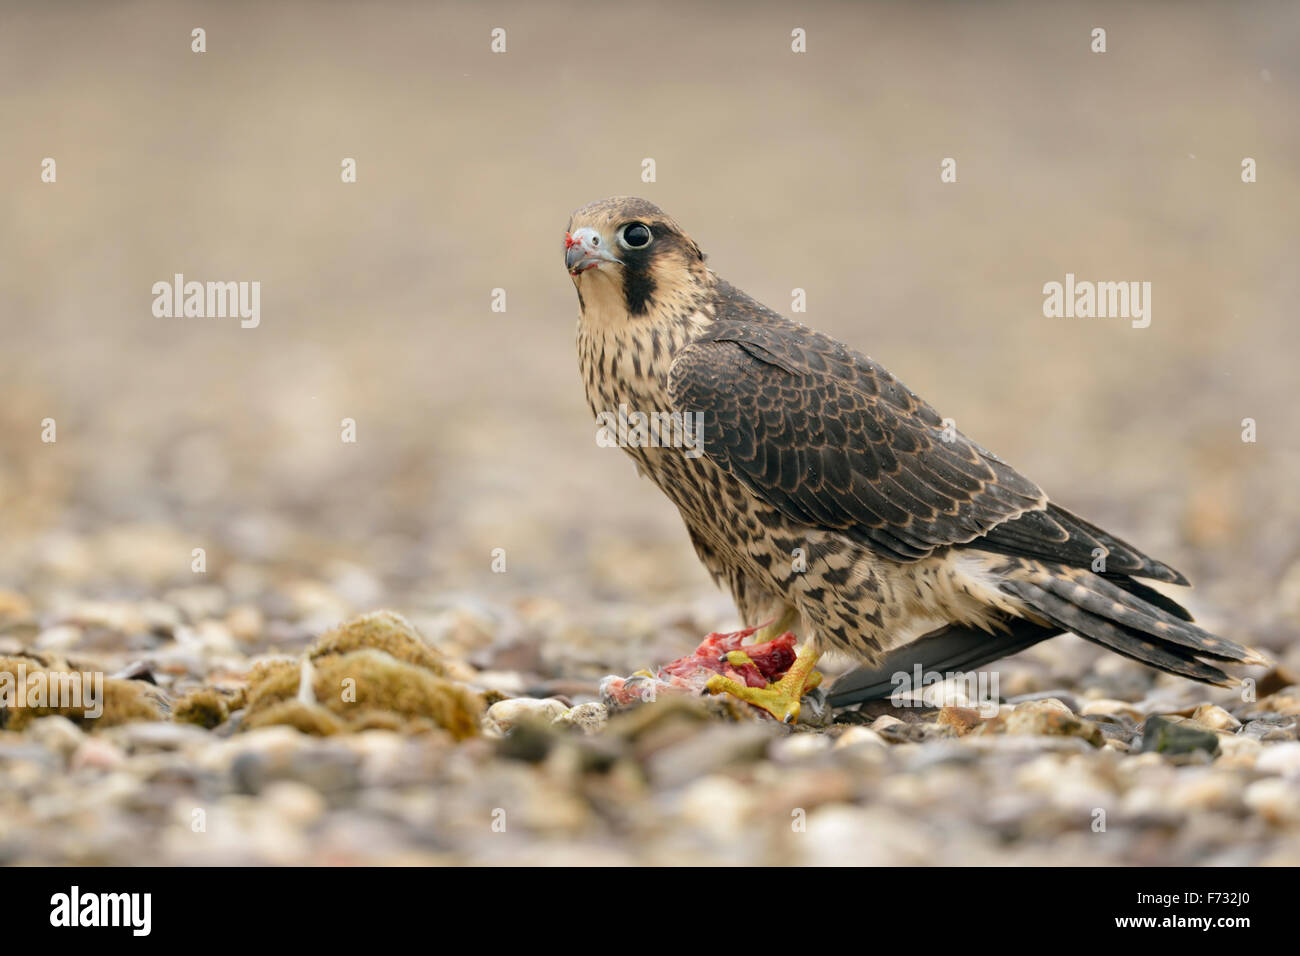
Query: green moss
[[382, 631], [308, 718], [123, 701], [205, 707], [366, 688]]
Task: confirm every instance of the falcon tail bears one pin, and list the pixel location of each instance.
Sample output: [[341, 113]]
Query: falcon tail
[[953, 650], [1121, 614], [1129, 618]]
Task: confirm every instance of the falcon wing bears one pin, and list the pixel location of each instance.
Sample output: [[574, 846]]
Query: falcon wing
[[832, 440]]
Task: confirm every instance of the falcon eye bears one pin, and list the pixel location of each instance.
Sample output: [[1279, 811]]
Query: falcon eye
[[635, 235]]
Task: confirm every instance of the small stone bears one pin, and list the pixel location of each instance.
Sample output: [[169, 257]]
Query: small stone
[[798, 747], [246, 622], [1164, 736], [860, 737], [1276, 800], [1281, 759], [56, 733], [1049, 717], [97, 753], [198, 601], [961, 719], [1271, 728], [13, 606], [159, 736], [1043, 705], [718, 805], [590, 717], [504, 715], [62, 637], [708, 751], [1062, 697], [509, 684], [1239, 750], [1215, 717], [884, 722], [1285, 702], [1107, 707], [293, 802], [1208, 790]]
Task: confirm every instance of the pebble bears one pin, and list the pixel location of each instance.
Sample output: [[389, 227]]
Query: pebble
[[860, 737], [798, 747], [1215, 717], [1207, 789], [590, 717], [1283, 759], [97, 753], [1105, 706], [159, 736], [1271, 728], [61, 637], [297, 804], [1172, 737], [1284, 702], [1062, 697], [246, 622], [961, 719], [718, 805], [1239, 750], [1276, 800], [884, 722], [504, 715], [56, 733], [1050, 717]]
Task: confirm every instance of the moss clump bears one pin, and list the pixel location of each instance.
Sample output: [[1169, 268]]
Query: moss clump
[[363, 689], [381, 631], [307, 718], [122, 701], [205, 707], [257, 676]]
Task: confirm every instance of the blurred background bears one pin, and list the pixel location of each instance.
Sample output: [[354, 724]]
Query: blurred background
[[817, 170]]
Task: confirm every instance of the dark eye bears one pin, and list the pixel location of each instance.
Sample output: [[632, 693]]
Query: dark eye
[[636, 235]]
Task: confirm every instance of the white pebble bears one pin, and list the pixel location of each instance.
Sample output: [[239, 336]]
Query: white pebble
[[590, 717], [1283, 759], [1276, 800], [504, 715]]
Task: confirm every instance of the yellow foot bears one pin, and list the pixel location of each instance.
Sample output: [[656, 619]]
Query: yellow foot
[[781, 698]]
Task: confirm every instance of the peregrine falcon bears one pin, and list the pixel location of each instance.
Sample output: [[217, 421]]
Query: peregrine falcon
[[831, 500]]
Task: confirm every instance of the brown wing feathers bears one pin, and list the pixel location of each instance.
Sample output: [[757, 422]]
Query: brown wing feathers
[[832, 440]]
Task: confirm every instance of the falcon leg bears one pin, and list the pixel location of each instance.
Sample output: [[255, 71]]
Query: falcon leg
[[780, 698], [777, 626]]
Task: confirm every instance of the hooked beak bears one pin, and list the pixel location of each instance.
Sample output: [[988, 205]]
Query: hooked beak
[[585, 249]]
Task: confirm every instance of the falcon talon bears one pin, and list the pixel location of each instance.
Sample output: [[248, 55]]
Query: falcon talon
[[812, 447]]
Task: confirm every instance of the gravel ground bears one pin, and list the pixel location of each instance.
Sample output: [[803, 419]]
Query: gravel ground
[[470, 738]]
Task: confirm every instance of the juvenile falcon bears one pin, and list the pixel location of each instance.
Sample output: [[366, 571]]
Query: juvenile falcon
[[831, 499]]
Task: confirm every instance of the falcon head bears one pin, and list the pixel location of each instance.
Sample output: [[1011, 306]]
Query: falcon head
[[628, 253]]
